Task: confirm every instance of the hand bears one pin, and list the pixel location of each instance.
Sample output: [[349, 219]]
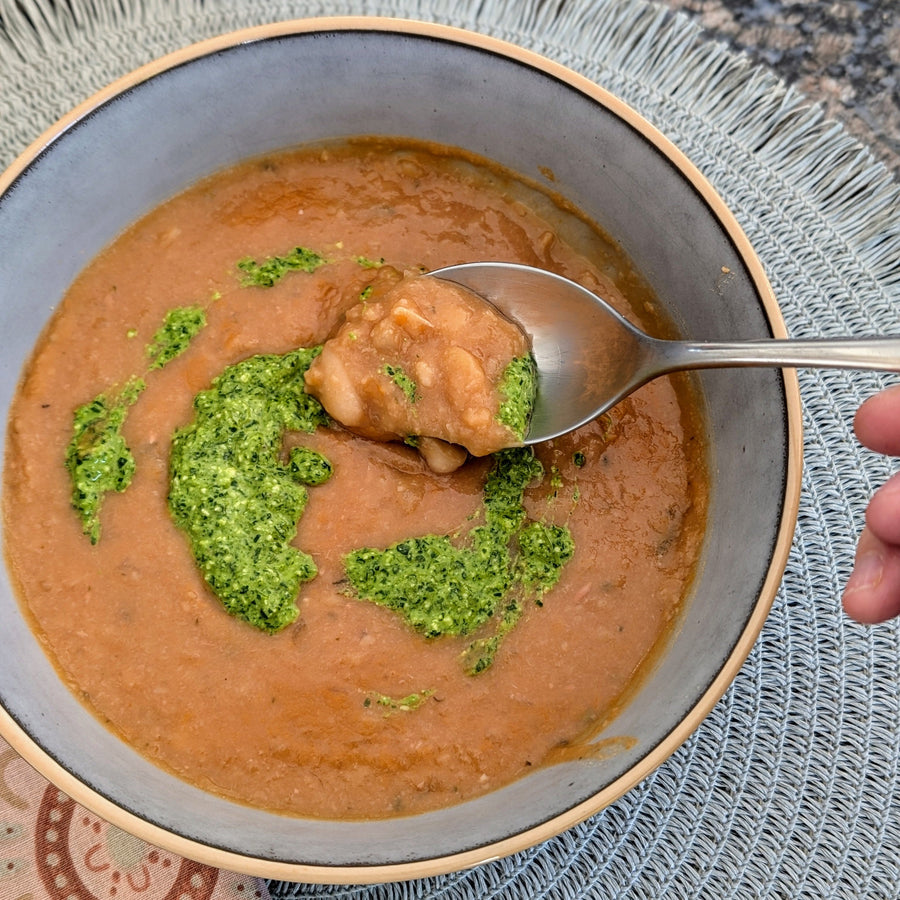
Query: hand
[[873, 589]]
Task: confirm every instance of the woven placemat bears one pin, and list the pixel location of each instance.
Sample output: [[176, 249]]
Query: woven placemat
[[789, 789]]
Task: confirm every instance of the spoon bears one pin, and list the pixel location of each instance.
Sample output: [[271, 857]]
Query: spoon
[[589, 357]]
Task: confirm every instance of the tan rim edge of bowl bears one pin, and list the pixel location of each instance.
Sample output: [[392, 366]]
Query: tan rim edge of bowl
[[286, 871]]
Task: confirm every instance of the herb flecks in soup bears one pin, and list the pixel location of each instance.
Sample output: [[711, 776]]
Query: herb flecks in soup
[[390, 705], [348, 710], [234, 496], [180, 326], [425, 359], [269, 272]]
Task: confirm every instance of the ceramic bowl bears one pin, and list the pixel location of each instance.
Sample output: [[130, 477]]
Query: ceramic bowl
[[158, 130]]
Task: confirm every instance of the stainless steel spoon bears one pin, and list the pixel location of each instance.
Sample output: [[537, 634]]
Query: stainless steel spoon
[[589, 358]]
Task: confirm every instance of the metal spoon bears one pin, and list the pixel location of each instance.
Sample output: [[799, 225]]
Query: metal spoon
[[589, 358]]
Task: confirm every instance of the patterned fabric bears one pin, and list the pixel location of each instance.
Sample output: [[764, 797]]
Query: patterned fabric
[[789, 789], [53, 849]]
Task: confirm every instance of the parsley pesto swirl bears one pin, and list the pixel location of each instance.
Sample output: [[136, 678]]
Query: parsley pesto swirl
[[234, 497], [444, 585]]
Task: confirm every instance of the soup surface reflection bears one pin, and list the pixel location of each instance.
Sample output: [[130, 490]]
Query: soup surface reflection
[[299, 688]]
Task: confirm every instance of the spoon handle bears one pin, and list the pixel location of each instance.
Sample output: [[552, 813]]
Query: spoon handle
[[879, 353]]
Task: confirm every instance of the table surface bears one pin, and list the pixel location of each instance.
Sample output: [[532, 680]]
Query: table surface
[[844, 54]]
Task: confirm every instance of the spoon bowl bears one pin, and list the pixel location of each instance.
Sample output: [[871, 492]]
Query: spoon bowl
[[589, 357]]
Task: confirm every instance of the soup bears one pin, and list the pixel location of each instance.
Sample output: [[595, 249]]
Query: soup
[[429, 363], [134, 528]]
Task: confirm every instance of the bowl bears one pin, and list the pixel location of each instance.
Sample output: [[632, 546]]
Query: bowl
[[160, 129]]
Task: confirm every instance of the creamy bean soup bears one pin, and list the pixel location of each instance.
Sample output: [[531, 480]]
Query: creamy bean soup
[[431, 364], [342, 621]]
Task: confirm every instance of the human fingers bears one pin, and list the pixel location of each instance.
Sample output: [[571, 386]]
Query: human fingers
[[883, 512], [872, 593], [877, 422]]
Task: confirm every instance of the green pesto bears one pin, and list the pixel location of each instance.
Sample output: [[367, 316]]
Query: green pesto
[[479, 655], [402, 380], [408, 703], [513, 470], [273, 269], [368, 263], [437, 587], [518, 388], [454, 586], [608, 424], [98, 458], [309, 467], [556, 481], [579, 459], [179, 328], [234, 497], [543, 551]]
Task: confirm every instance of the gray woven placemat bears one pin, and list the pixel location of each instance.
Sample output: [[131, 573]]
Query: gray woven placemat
[[789, 789]]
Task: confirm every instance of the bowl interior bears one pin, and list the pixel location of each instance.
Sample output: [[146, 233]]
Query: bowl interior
[[280, 87]]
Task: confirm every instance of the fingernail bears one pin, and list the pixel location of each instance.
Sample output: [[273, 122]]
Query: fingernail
[[867, 572]]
